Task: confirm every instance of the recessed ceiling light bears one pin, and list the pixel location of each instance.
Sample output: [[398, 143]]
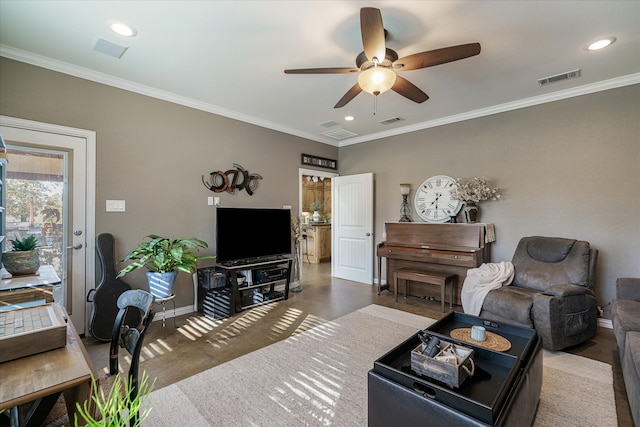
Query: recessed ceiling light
[[349, 118], [123, 29], [601, 44]]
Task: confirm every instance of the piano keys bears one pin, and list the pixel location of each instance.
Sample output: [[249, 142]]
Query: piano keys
[[446, 248]]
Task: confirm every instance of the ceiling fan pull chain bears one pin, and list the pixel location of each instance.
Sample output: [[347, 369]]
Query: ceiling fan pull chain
[[375, 104]]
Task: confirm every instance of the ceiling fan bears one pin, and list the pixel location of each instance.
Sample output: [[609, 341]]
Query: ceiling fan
[[377, 65]]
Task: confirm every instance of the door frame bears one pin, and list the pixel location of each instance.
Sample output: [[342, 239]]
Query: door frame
[[90, 195]]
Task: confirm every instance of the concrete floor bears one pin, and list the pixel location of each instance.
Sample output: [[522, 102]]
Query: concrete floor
[[200, 343]]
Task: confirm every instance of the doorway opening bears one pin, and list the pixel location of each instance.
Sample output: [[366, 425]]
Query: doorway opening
[[315, 215]]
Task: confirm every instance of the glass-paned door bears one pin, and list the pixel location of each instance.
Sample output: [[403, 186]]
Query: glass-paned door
[[36, 204], [49, 193]]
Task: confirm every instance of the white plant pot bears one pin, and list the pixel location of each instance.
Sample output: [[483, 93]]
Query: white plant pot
[[161, 284]]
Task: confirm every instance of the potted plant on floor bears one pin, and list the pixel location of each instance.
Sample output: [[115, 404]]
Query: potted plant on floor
[[164, 257], [24, 258]]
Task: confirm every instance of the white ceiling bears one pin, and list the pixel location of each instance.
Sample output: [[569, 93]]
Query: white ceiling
[[228, 57]]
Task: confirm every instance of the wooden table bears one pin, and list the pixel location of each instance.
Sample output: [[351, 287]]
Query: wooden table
[[67, 370]]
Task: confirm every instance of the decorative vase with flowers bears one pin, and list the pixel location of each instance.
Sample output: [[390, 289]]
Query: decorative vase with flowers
[[473, 191], [315, 207]]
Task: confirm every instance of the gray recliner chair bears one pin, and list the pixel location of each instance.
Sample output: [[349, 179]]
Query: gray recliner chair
[[552, 291]]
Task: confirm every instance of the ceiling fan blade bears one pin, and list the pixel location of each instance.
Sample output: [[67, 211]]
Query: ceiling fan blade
[[334, 70], [436, 57], [407, 89], [372, 33], [351, 93]]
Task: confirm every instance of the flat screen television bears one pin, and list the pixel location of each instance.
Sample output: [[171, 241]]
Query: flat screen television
[[252, 234]]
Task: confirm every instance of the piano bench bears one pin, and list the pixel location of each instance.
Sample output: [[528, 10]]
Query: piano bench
[[429, 277]]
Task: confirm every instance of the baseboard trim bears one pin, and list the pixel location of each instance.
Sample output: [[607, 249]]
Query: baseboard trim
[[605, 323], [170, 312]]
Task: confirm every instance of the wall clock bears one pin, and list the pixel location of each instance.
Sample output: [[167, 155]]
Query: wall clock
[[433, 200]]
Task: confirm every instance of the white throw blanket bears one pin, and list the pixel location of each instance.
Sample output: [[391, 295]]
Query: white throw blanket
[[480, 281]]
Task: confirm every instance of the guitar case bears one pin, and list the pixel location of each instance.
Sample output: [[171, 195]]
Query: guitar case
[[104, 297]]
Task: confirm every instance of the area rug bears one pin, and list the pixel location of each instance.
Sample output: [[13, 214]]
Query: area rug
[[319, 378]]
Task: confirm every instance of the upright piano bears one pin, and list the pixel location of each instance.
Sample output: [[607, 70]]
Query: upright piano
[[445, 248]]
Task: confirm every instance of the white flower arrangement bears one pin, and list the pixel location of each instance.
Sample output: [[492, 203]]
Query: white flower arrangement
[[296, 232], [474, 190], [315, 205]]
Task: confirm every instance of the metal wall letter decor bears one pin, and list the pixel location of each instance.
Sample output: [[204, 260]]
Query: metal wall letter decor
[[232, 180]]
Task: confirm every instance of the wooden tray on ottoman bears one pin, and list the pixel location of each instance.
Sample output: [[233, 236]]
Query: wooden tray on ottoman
[[452, 374]]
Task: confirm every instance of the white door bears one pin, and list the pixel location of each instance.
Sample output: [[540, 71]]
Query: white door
[[75, 150], [352, 227]]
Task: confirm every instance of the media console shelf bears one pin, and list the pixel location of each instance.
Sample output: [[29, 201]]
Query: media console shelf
[[229, 288]]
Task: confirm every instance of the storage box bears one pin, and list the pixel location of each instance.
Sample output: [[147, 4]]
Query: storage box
[[452, 364], [209, 278], [31, 330], [217, 303], [251, 296]]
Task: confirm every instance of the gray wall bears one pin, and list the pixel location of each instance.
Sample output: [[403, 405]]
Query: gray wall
[[152, 154], [569, 169]]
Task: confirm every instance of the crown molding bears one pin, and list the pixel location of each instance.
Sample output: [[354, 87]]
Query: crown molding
[[95, 76], [91, 75], [501, 108]]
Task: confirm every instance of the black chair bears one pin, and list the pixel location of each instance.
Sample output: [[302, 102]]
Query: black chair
[[130, 336]]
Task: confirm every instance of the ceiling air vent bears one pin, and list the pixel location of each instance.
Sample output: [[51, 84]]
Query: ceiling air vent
[[109, 48], [329, 124], [391, 120], [559, 77], [339, 134]]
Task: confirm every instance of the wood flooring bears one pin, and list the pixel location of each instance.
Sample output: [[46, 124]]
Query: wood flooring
[[199, 343]]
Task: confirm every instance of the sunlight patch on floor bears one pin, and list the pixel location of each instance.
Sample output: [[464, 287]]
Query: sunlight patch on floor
[[282, 325], [308, 323]]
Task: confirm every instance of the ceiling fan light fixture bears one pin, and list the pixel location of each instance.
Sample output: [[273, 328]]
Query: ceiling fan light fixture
[[376, 80]]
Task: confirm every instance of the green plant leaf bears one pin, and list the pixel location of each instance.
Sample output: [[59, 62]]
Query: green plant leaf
[[163, 255]]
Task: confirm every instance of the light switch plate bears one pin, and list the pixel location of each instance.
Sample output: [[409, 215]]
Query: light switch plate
[[115, 206]]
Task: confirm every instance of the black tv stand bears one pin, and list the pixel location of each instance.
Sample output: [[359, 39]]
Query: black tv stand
[[252, 261], [268, 282]]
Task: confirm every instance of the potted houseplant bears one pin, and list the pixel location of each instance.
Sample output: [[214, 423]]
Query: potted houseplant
[[164, 257], [24, 258]]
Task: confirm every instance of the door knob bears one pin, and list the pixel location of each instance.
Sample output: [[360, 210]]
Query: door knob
[[78, 246], [368, 234]]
